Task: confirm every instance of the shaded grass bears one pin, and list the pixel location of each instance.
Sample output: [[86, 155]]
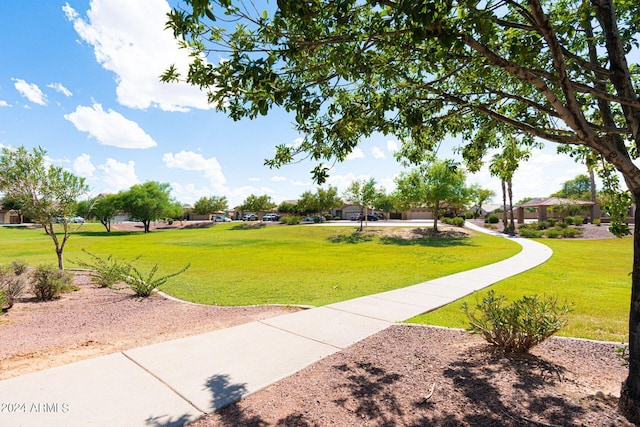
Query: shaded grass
[[593, 276], [271, 265]]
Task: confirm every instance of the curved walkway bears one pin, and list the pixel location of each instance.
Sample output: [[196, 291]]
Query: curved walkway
[[171, 383]]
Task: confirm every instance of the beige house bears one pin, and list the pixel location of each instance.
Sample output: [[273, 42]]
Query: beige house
[[9, 217]]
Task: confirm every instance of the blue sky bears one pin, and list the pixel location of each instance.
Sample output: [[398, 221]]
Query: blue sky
[[81, 79]]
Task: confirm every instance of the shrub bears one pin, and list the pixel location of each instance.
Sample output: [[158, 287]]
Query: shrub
[[456, 221], [596, 222], [517, 327], [529, 233], [492, 219], [11, 286], [291, 219], [570, 232], [552, 233], [105, 273], [551, 222], [49, 282], [144, 285], [568, 220], [19, 266]]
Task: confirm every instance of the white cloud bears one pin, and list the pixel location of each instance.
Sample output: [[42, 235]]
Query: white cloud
[[254, 179], [82, 166], [190, 161], [58, 87], [342, 182], [117, 175], [378, 153], [392, 146], [357, 153], [129, 39], [189, 193], [30, 91], [4, 103], [110, 127], [278, 178], [299, 183]]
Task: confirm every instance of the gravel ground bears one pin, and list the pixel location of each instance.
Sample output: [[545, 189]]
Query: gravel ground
[[403, 376]]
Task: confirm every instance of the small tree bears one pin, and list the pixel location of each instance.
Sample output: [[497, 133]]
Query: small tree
[[385, 202], [210, 205], [363, 193], [45, 192], [146, 202], [104, 208], [257, 204], [480, 196], [434, 186]]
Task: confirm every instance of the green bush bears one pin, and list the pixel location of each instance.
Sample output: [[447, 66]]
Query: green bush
[[11, 286], [456, 221], [144, 284], [291, 219], [596, 221], [551, 222], [516, 327], [48, 282], [570, 232], [529, 233], [541, 225], [552, 233], [105, 273], [468, 215], [568, 220], [19, 266], [578, 220], [492, 219]]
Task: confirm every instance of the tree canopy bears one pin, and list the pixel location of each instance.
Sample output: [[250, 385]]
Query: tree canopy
[[46, 193], [210, 205], [578, 188], [550, 70], [146, 202], [257, 204], [436, 186]]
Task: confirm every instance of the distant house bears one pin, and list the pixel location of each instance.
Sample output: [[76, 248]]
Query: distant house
[[9, 217], [539, 208]]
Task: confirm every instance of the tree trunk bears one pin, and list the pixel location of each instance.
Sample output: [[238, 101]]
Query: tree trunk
[[629, 403], [60, 260], [592, 187], [146, 225], [512, 225], [504, 204]]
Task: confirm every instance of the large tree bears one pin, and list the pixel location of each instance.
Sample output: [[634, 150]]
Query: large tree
[[47, 193], [257, 204], [104, 208], [210, 205], [436, 186], [554, 70], [146, 202], [319, 202], [578, 188]]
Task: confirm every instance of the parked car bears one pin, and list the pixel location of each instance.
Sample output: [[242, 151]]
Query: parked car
[[315, 219], [356, 217], [271, 217], [250, 217], [77, 220], [372, 218], [221, 218]]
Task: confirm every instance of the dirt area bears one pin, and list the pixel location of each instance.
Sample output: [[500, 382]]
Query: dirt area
[[95, 321], [405, 375]]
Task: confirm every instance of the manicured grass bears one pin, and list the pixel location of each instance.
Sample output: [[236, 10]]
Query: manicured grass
[[593, 276], [274, 265]]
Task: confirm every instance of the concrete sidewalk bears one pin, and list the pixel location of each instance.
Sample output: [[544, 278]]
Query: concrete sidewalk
[[171, 383]]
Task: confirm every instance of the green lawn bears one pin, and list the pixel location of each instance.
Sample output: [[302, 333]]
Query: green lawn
[[273, 265], [593, 276]]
